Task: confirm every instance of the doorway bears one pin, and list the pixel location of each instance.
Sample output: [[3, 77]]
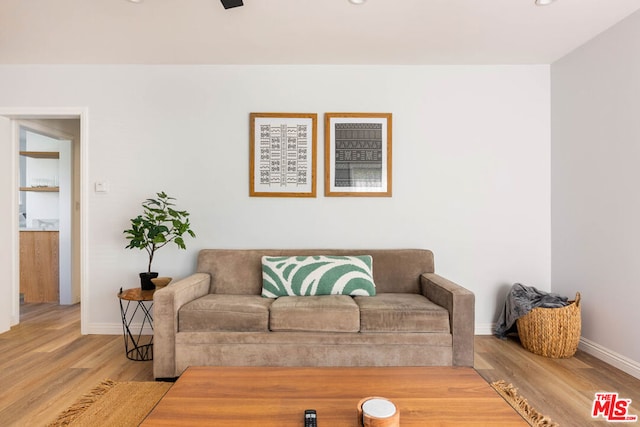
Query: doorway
[[61, 124], [44, 210]]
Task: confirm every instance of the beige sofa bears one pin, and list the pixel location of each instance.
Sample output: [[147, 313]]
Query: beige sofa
[[217, 317]]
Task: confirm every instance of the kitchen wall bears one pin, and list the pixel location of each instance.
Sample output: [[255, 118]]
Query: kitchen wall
[[471, 166], [41, 209], [595, 198]]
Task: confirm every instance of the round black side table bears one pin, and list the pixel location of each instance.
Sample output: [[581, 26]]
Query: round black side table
[[137, 346]]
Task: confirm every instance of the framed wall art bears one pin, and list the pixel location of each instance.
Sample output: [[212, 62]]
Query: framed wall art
[[358, 154], [283, 149]]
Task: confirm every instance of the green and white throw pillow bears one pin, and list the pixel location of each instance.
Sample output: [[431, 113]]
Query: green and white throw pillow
[[317, 275]]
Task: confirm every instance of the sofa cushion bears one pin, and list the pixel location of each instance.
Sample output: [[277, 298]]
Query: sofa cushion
[[317, 275], [241, 313], [324, 313], [401, 313]]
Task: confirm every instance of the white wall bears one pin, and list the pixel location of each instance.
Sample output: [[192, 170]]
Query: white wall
[[471, 152], [595, 198]]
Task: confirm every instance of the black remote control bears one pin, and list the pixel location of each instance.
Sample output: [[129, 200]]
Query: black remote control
[[310, 418]]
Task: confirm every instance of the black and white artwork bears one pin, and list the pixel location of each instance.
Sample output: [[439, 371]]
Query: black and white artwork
[[358, 154], [283, 155]]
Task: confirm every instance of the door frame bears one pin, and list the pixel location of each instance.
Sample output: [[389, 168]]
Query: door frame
[[81, 113]]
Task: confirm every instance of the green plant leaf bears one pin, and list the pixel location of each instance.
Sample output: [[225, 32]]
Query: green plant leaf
[[159, 238], [157, 226], [180, 242]]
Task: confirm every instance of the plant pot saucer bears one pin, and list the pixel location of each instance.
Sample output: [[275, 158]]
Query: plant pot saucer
[[161, 282]]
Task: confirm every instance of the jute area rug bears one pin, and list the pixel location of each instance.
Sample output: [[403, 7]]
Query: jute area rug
[[125, 404], [114, 404], [521, 406]]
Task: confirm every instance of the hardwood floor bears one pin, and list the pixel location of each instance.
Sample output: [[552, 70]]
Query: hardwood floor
[[562, 389], [46, 365]]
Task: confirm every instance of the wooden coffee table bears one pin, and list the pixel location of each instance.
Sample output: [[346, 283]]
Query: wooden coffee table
[[274, 396]]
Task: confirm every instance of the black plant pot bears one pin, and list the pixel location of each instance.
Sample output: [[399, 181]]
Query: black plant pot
[[145, 281]]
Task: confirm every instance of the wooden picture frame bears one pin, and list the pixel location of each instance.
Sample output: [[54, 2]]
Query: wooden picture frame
[[283, 165], [358, 154]]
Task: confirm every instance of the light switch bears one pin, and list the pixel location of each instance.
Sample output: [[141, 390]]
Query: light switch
[[102, 186]]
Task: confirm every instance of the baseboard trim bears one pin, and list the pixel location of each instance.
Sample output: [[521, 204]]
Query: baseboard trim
[[115, 329], [614, 359], [485, 328]]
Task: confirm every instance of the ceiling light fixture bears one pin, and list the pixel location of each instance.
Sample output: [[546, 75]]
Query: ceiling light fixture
[[228, 4], [357, 1], [544, 2], [135, 1]]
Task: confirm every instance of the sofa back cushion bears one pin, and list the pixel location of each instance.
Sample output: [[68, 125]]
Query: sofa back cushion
[[317, 275], [239, 271]]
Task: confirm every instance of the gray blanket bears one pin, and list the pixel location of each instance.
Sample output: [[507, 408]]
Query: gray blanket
[[521, 300]]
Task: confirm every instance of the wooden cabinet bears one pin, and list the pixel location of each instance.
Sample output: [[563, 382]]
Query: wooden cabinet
[[39, 266]]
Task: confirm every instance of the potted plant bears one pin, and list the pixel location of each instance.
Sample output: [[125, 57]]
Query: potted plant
[[159, 225]]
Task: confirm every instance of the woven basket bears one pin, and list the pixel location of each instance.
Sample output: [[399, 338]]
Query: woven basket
[[551, 332]]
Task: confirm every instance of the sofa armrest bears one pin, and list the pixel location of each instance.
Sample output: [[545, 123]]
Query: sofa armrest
[[461, 305], [166, 304]]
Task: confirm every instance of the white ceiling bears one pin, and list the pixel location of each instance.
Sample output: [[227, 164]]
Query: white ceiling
[[300, 31]]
